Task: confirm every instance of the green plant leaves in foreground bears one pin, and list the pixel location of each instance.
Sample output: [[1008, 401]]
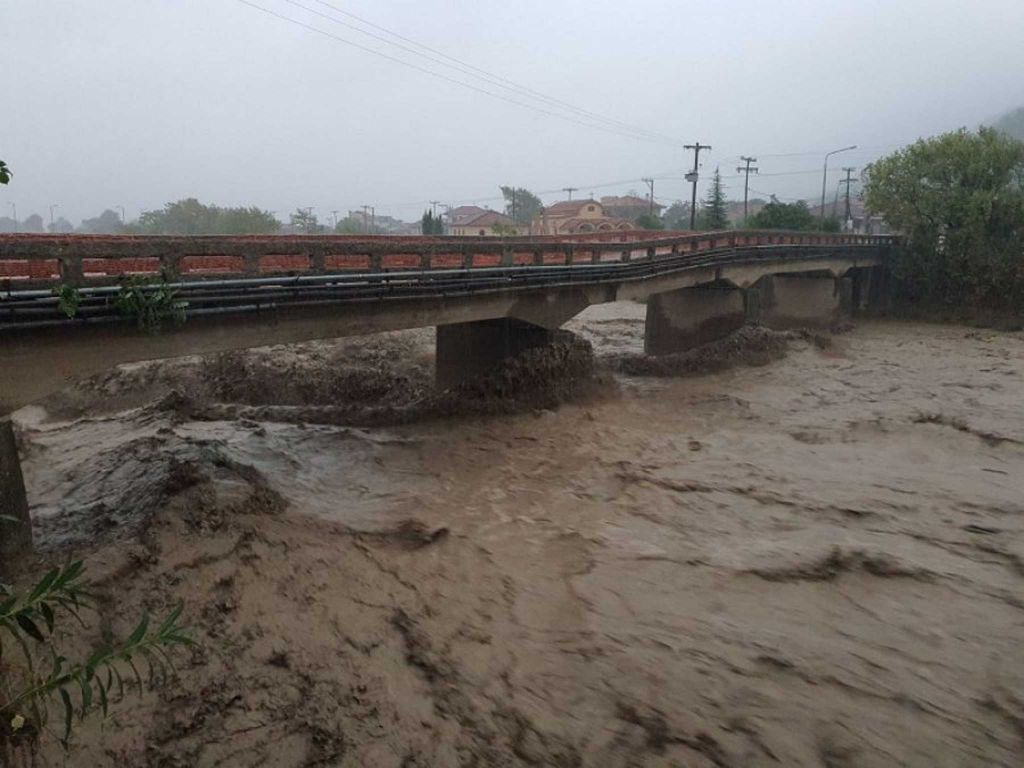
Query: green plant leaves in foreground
[[80, 688]]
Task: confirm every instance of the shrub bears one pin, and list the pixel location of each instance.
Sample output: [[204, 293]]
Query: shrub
[[151, 304]]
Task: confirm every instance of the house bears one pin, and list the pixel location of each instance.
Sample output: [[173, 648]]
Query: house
[[462, 214], [630, 207], [486, 224], [572, 217]]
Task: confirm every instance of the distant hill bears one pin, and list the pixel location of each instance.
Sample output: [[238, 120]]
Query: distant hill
[[1012, 124]]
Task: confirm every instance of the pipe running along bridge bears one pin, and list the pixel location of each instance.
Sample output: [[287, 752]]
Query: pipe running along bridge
[[489, 298], [62, 307]]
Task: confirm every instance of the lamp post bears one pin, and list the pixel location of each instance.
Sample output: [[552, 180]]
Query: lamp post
[[824, 177]]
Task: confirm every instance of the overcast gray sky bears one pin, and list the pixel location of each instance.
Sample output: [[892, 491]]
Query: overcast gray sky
[[139, 102]]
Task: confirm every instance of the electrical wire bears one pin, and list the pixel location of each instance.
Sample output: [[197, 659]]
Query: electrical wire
[[439, 57], [442, 76]]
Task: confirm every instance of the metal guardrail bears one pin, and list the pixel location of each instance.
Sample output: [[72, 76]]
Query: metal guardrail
[[217, 274]]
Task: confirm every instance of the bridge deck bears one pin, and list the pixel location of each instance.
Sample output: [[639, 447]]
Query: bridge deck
[[223, 274]]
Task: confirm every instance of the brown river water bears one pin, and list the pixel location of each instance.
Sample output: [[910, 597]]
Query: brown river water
[[817, 560]]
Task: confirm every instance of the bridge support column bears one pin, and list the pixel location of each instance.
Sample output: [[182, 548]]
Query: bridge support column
[[16, 534], [467, 350], [870, 288], [686, 318], [798, 301]]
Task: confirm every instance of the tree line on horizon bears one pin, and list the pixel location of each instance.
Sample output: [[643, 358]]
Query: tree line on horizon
[[191, 217]]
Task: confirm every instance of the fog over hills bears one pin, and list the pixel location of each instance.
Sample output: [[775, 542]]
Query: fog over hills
[[1012, 123]]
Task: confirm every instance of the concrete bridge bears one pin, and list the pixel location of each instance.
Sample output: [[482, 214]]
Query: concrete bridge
[[489, 298]]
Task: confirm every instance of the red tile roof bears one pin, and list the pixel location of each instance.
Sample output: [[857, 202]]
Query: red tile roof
[[569, 207], [464, 213], [486, 219]]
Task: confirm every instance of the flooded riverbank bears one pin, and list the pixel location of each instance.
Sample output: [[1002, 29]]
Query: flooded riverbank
[[811, 556]]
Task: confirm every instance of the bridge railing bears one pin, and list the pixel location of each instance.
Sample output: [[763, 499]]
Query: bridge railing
[[30, 262]]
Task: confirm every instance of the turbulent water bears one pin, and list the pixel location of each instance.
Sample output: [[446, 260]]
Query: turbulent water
[[817, 560]]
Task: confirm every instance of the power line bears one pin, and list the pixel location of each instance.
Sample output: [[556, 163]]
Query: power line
[[441, 76], [471, 70]]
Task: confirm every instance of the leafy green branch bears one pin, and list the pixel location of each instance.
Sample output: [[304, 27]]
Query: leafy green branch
[[79, 688], [68, 299], [151, 304]]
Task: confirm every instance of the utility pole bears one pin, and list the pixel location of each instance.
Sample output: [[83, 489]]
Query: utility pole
[[335, 215], [692, 178], [433, 208], [824, 176], [55, 205], [847, 181], [746, 170], [570, 190], [650, 197], [366, 217], [120, 208]]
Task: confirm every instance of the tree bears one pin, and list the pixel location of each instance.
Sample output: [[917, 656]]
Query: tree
[[521, 204], [5, 173], [649, 221], [958, 199], [32, 223], [776, 215], [431, 225], [61, 226], [350, 225], [677, 215], [305, 221], [245, 221], [190, 217], [713, 213], [185, 217], [107, 223]]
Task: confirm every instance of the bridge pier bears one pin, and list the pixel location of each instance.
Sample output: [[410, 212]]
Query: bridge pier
[[16, 534], [870, 288], [467, 350], [798, 301], [688, 317]]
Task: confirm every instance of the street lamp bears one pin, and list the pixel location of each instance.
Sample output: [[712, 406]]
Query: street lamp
[[824, 177]]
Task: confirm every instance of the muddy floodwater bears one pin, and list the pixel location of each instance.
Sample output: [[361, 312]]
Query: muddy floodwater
[[817, 560]]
